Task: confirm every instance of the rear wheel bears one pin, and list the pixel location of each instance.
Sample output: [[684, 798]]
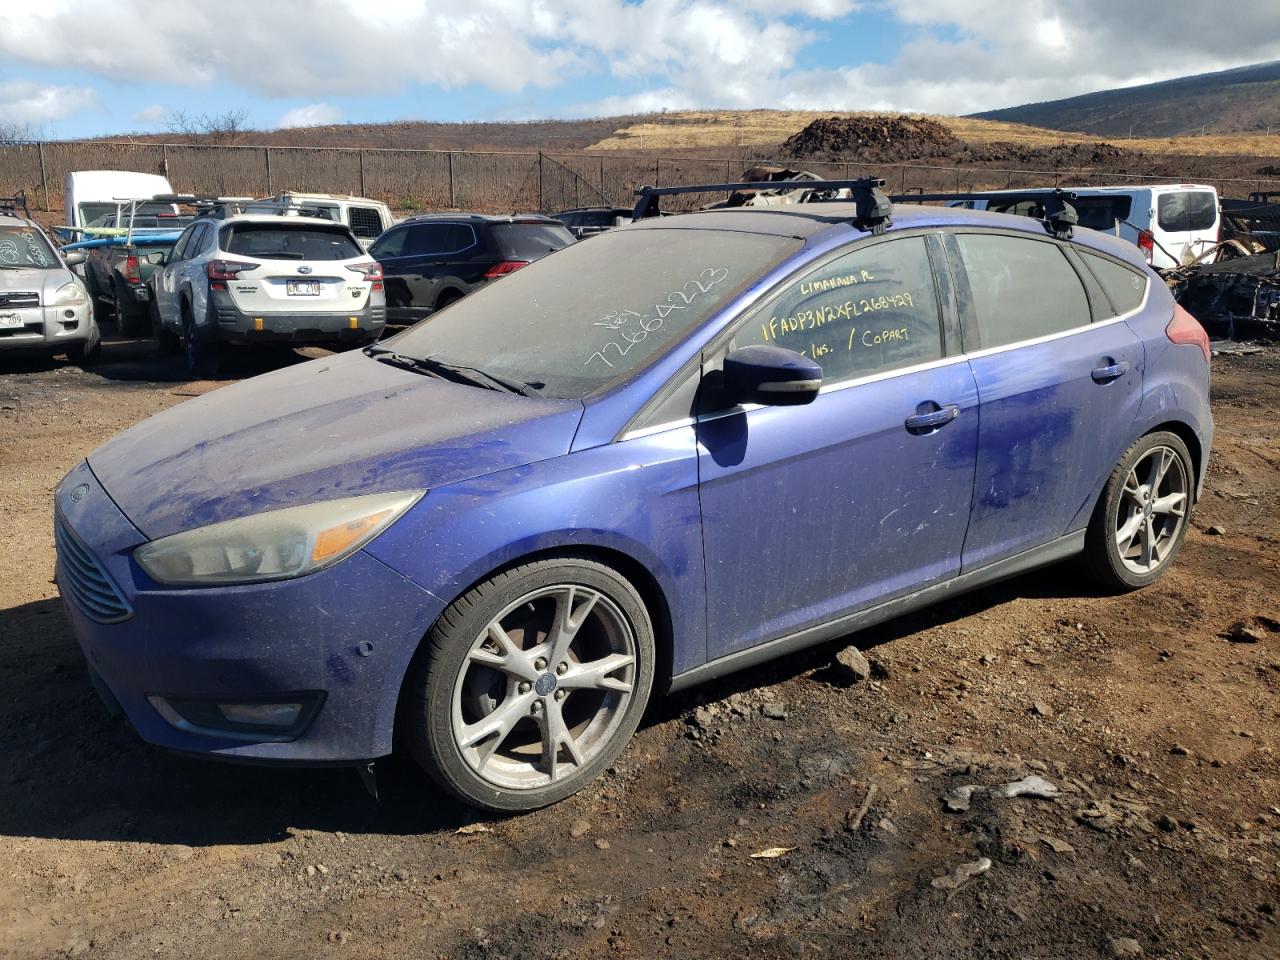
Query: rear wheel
[[1141, 519], [446, 298], [203, 357], [530, 684], [131, 320]]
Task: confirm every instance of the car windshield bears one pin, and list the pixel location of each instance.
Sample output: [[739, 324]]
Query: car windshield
[[529, 241], [594, 313], [288, 241], [25, 247]]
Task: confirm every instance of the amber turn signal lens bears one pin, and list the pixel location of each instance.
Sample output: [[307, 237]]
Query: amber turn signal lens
[[337, 539]]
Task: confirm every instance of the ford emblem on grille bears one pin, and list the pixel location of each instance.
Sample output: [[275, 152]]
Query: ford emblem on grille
[[79, 492], [304, 269]]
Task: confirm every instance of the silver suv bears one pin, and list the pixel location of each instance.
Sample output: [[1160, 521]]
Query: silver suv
[[43, 305], [253, 279]]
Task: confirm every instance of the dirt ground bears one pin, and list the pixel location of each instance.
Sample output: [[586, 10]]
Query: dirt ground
[[1159, 734]]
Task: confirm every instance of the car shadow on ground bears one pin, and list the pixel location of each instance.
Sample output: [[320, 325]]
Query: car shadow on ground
[[68, 771]]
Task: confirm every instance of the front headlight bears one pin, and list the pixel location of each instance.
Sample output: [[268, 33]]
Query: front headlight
[[275, 545], [70, 295]]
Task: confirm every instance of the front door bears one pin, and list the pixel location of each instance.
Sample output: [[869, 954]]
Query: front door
[[813, 512]]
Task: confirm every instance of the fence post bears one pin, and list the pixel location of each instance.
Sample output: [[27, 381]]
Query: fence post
[[453, 196], [267, 153], [164, 160], [539, 181], [363, 191], [44, 180], [602, 193], [657, 172]]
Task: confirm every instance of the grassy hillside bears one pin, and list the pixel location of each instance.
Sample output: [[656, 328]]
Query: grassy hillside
[[1243, 100]]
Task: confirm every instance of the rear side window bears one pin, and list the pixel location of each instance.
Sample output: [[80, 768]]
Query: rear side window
[[366, 222], [1187, 210], [439, 239], [1021, 288], [270, 241], [1124, 286], [529, 241], [871, 310]]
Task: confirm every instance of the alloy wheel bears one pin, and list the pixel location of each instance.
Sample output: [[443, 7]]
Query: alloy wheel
[[544, 687], [1152, 510]]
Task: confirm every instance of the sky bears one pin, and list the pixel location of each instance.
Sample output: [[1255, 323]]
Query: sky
[[75, 68]]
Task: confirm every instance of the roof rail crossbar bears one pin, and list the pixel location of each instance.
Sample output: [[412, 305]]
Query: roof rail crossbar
[[873, 206], [1060, 217], [11, 204]]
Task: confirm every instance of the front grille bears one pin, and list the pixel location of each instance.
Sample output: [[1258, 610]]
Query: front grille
[[84, 581], [12, 298]]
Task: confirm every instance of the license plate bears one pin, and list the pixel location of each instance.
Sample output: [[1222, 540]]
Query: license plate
[[303, 288], [10, 320]]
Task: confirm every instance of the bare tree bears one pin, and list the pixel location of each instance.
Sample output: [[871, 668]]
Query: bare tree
[[13, 133], [225, 127]]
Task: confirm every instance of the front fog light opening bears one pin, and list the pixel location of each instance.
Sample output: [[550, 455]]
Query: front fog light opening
[[254, 719]]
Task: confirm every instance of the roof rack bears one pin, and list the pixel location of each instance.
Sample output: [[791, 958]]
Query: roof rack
[[873, 207], [1060, 217], [11, 204]]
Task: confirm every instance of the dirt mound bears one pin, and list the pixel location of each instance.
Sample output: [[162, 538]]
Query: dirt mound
[[884, 138], [1061, 156]]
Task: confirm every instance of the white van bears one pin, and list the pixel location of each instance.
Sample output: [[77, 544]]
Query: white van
[[1171, 224], [93, 195], [368, 219]]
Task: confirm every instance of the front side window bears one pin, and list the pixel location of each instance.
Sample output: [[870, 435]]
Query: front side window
[[1022, 288], [594, 314], [390, 244], [282, 241], [432, 239], [25, 247], [871, 310], [1187, 210]]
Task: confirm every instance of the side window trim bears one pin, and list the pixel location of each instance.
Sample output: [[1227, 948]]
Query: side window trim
[[1100, 306]]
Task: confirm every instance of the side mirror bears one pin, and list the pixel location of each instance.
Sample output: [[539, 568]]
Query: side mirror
[[771, 376], [74, 258], [158, 257]]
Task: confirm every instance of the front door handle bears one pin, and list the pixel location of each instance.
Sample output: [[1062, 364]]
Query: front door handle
[[1111, 372], [933, 419]]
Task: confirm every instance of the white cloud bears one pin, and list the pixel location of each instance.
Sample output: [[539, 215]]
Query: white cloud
[[310, 115], [955, 55], [152, 115], [27, 102]]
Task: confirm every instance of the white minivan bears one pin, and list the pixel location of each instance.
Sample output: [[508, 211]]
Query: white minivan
[[1171, 224]]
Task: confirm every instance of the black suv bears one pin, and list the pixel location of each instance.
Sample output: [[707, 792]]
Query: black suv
[[588, 221], [433, 260]]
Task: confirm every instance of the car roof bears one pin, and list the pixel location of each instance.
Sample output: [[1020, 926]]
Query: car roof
[[275, 218], [1092, 191], [295, 195], [815, 222], [481, 218]]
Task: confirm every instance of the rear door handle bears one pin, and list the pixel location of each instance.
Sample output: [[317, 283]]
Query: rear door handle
[[933, 419], [1109, 373]]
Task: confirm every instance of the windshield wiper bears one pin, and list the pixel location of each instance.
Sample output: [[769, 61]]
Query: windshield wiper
[[453, 371]]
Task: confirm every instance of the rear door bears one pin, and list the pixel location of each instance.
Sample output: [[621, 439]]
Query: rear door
[[813, 512], [301, 267], [1186, 225], [1058, 391]]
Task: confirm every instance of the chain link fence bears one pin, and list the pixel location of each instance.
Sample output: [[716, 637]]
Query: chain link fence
[[422, 180]]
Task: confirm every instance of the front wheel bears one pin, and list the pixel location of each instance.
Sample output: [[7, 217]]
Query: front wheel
[[530, 684], [1141, 519]]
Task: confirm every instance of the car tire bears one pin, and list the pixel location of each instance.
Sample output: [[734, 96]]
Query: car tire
[[203, 356], [447, 298], [487, 664], [130, 321], [168, 343], [87, 352], [1141, 518]]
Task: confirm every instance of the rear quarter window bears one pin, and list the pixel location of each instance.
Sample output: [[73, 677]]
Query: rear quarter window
[[1021, 288], [1187, 210], [1124, 286], [529, 241], [270, 241]]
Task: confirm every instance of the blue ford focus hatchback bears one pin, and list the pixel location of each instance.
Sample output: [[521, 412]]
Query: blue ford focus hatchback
[[678, 449]]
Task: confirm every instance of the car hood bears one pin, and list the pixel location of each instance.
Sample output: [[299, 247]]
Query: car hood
[[335, 427], [36, 280]]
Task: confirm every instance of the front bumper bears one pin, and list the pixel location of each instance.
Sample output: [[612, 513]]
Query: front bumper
[[48, 328], [346, 633], [228, 323]]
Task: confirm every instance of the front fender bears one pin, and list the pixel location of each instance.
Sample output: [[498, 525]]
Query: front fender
[[638, 498]]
